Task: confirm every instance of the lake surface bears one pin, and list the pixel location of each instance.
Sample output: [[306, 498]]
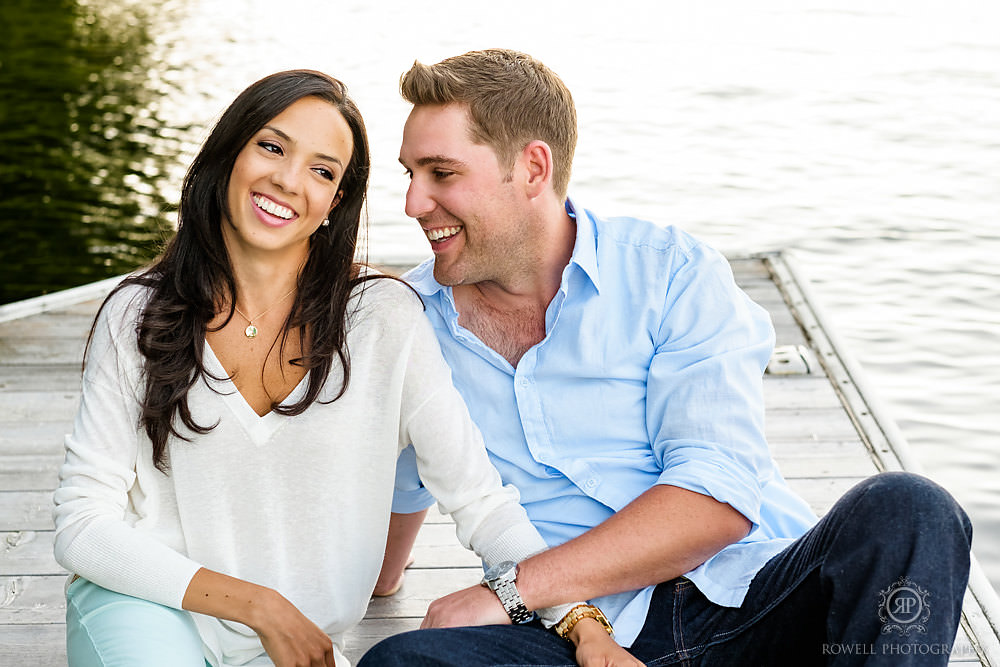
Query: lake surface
[[863, 136]]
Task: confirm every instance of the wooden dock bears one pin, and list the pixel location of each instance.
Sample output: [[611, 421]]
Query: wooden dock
[[825, 429]]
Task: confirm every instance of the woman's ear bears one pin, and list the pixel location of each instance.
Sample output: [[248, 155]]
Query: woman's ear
[[336, 200]]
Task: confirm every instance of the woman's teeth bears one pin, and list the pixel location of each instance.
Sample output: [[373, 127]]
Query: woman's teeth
[[274, 209]]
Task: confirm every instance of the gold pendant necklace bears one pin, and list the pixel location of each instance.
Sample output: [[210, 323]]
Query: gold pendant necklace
[[251, 330]]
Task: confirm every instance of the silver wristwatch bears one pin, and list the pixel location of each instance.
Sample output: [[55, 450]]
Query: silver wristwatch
[[500, 579]]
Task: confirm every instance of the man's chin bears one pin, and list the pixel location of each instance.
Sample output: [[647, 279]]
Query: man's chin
[[446, 275]]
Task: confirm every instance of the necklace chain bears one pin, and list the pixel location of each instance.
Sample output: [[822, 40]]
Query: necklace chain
[[251, 330]]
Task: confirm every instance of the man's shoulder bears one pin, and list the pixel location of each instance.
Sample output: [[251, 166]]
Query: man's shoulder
[[642, 246], [628, 231]]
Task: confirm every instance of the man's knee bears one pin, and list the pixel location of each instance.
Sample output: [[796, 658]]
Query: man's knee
[[901, 500]]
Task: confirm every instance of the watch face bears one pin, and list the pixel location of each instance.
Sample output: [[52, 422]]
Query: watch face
[[499, 570]]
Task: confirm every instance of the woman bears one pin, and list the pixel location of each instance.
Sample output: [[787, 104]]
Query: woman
[[227, 485]]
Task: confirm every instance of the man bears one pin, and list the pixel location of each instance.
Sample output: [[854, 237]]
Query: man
[[615, 370]]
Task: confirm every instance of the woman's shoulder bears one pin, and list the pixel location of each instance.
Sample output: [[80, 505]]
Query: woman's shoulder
[[123, 307], [381, 290], [387, 300]]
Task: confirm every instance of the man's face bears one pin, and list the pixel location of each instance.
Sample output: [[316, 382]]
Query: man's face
[[470, 210]]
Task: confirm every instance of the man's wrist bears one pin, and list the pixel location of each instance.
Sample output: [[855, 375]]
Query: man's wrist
[[501, 579], [577, 615], [586, 629]]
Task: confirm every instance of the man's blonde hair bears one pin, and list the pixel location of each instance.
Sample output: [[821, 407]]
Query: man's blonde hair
[[513, 100]]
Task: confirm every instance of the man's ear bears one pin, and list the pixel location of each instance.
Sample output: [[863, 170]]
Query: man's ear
[[537, 160], [336, 200]]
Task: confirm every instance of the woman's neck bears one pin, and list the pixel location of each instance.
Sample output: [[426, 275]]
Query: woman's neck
[[261, 284]]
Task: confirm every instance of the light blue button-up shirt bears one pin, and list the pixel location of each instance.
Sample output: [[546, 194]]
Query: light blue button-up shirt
[[650, 373]]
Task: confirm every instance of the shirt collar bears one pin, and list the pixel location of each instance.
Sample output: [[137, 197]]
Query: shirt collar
[[585, 248], [421, 278], [584, 255]]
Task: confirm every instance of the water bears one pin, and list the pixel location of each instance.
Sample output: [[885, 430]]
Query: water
[[863, 136]]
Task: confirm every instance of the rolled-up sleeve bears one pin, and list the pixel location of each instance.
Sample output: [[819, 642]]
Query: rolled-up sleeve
[[410, 495], [705, 407]]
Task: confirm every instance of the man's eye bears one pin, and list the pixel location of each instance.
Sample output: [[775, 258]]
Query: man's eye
[[441, 175]]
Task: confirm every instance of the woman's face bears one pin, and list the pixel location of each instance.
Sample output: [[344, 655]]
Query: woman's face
[[285, 181]]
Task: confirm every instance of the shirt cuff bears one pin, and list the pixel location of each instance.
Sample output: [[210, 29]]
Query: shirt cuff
[[737, 490]]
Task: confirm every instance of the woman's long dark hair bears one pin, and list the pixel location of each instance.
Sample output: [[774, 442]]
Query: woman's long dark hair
[[194, 276]]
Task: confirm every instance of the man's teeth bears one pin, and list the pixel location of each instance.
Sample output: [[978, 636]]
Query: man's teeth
[[277, 210], [441, 233]]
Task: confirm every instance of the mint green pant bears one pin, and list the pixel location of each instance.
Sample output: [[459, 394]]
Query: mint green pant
[[105, 629]]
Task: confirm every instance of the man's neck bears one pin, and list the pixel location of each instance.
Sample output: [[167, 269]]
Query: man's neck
[[509, 315], [537, 285]]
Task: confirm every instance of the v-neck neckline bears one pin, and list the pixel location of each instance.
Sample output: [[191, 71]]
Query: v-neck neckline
[[260, 428]]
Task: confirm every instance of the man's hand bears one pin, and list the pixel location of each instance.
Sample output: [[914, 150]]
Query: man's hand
[[475, 605], [595, 648]]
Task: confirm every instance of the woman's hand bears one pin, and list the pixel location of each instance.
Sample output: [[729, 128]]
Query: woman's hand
[[596, 648], [290, 639]]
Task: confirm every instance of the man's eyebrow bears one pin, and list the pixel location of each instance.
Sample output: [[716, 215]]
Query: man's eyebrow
[[321, 156], [436, 160]]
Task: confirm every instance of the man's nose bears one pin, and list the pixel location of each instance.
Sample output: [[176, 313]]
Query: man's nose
[[418, 201]]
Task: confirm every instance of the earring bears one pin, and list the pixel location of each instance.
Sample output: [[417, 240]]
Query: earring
[[326, 223]]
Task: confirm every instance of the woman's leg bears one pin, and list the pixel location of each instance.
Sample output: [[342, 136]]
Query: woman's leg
[[105, 629]]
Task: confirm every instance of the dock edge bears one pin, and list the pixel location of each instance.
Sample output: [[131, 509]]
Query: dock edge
[[886, 444]]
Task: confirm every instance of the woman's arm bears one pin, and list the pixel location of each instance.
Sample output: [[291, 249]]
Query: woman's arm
[[403, 529], [289, 638], [105, 462]]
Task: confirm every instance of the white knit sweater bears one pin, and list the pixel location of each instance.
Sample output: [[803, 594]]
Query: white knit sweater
[[299, 504]]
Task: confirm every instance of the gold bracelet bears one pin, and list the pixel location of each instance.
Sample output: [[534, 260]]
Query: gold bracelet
[[576, 614]]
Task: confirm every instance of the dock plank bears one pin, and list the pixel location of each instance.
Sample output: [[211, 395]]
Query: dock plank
[[28, 552]]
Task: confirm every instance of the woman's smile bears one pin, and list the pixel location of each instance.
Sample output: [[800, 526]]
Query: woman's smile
[[271, 212]]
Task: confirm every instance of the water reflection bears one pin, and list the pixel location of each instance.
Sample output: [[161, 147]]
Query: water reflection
[[83, 174]]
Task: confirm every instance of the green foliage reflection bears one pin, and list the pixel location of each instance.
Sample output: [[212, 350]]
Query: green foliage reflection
[[86, 156]]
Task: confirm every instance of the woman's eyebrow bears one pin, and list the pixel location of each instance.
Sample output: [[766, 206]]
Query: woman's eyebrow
[[283, 135]]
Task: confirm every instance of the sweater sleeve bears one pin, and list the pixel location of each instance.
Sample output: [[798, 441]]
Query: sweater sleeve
[[94, 511], [453, 464]]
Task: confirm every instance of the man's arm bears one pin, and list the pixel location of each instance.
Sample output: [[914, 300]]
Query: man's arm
[[662, 534]]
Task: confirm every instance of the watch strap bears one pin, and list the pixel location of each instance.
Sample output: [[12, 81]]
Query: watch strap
[[511, 601], [578, 613]]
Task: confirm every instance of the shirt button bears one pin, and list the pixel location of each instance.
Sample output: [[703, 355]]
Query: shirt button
[[590, 483], [524, 382]]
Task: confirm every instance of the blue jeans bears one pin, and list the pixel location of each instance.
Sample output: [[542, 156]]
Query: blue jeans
[[877, 581]]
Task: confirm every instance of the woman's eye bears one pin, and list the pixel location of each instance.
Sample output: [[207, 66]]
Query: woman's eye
[[325, 173], [270, 147]]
